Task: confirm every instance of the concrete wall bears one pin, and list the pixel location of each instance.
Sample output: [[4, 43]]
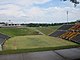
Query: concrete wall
[[0, 47], [2, 24]]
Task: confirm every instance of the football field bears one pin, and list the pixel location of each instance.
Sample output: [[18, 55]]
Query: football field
[[37, 41]]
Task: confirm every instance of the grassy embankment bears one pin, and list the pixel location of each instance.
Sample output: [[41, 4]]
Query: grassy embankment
[[18, 31]]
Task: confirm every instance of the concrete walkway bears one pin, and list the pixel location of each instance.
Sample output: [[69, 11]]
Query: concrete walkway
[[66, 54]]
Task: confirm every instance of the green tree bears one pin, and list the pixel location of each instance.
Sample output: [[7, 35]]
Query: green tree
[[73, 1]]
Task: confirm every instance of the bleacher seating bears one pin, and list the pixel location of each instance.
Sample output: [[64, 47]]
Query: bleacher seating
[[57, 33], [65, 35], [68, 32], [69, 35], [1, 41], [73, 33], [75, 27], [76, 38], [3, 38], [66, 27], [63, 29]]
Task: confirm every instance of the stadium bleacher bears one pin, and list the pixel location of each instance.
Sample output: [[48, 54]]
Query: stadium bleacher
[[69, 35], [66, 26], [75, 27], [68, 32], [76, 38], [3, 38], [57, 33], [1, 41], [63, 29]]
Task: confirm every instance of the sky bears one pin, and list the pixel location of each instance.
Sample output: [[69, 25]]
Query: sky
[[38, 11]]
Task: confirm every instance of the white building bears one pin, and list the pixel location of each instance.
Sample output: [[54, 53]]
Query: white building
[[2, 24]]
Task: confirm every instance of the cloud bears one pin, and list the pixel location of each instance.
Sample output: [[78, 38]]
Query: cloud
[[23, 2], [53, 14], [17, 8], [32, 1], [11, 10], [24, 10]]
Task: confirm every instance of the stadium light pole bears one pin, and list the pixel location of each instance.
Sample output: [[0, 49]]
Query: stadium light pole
[[67, 16]]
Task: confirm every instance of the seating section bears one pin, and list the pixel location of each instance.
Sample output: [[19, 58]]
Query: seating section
[[68, 32], [57, 33], [1, 41], [63, 29], [76, 38], [76, 27], [3, 38], [69, 35], [66, 27]]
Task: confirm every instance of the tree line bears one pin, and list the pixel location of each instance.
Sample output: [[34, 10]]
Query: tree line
[[45, 24]]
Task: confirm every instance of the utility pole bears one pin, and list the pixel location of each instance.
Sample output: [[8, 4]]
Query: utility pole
[[67, 16]]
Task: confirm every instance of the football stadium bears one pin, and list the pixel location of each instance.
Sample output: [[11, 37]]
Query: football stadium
[[39, 39], [15, 40], [40, 30]]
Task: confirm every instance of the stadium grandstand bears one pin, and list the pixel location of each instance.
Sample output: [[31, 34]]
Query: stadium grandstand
[[69, 32], [3, 38]]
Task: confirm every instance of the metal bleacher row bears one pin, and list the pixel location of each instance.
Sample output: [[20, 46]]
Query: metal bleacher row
[[57, 33], [3, 38], [66, 26], [63, 29], [68, 32]]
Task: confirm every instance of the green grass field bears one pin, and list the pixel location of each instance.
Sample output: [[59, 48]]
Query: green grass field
[[36, 41], [28, 31], [28, 40], [18, 31], [47, 30]]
